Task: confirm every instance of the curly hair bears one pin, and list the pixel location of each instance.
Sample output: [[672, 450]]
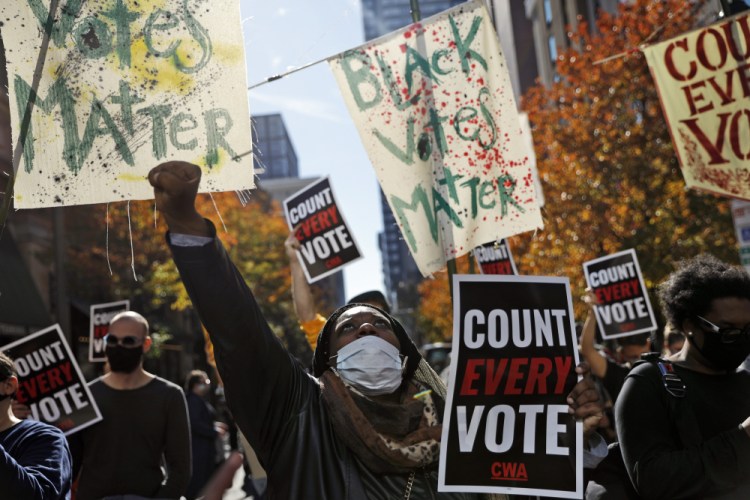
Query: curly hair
[[696, 283]]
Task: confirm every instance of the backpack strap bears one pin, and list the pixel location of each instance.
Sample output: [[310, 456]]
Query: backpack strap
[[680, 412]]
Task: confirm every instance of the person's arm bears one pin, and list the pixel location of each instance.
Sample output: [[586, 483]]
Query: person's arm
[[593, 357], [176, 448], [265, 387], [658, 465], [586, 405], [304, 302], [42, 471]]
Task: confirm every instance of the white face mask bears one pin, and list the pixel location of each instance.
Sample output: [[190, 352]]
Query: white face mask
[[371, 364]]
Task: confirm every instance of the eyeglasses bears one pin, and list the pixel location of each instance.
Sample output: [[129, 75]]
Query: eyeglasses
[[129, 341], [729, 335]]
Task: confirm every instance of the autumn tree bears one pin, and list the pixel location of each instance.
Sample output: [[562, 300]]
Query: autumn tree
[[608, 167], [254, 238], [607, 164], [435, 312], [609, 170]]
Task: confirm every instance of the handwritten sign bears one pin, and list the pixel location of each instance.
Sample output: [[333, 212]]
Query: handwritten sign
[[125, 85], [326, 242], [495, 258], [624, 307], [50, 382], [100, 316], [435, 110], [507, 428], [704, 87]]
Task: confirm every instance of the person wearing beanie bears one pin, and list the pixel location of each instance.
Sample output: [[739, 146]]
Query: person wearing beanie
[[366, 424]]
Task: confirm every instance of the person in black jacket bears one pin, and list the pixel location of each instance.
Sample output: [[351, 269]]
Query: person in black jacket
[[204, 431], [353, 433], [693, 443]]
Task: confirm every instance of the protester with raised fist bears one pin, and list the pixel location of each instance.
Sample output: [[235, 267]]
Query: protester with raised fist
[[367, 425]]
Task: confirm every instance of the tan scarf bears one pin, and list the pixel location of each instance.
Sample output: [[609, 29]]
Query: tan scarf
[[389, 438], [335, 394]]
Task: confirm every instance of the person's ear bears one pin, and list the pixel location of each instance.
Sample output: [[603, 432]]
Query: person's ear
[[9, 385], [147, 342], [688, 327]]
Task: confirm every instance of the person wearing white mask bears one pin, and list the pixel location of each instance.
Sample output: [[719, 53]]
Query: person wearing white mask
[[367, 425]]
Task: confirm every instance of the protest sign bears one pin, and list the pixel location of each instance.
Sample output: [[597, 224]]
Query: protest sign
[[495, 258], [100, 316], [435, 111], [125, 86], [704, 87], [506, 427], [50, 382], [624, 308], [741, 218], [326, 242]]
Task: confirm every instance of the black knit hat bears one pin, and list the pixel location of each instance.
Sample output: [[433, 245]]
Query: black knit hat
[[323, 349], [370, 297]]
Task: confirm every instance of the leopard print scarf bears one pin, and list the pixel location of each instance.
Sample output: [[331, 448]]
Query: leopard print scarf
[[389, 438]]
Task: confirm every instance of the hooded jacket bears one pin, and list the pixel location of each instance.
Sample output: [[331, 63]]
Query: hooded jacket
[[276, 404]]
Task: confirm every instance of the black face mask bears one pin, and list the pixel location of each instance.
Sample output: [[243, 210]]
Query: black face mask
[[124, 359], [721, 355]]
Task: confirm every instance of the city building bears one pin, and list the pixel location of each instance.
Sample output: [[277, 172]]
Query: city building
[[383, 16], [273, 151], [400, 273]]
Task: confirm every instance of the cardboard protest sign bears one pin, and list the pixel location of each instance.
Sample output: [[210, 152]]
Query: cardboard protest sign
[[703, 83], [326, 242], [495, 258], [434, 107], [50, 382], [100, 316], [624, 308], [741, 218], [506, 427], [125, 86]]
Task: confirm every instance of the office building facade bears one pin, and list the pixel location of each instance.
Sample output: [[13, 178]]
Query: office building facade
[[273, 151]]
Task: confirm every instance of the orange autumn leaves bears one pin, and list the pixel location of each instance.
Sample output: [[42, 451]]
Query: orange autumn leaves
[[254, 238], [607, 165]]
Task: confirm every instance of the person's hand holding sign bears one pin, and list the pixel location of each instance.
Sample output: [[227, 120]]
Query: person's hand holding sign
[[584, 402]]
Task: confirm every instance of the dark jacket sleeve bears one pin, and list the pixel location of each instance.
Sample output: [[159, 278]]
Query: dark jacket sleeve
[[177, 448], [265, 387], [42, 471], [201, 423], [658, 465]]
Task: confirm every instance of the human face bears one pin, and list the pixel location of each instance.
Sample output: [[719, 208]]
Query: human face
[[725, 313], [712, 349], [358, 322], [128, 333]]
